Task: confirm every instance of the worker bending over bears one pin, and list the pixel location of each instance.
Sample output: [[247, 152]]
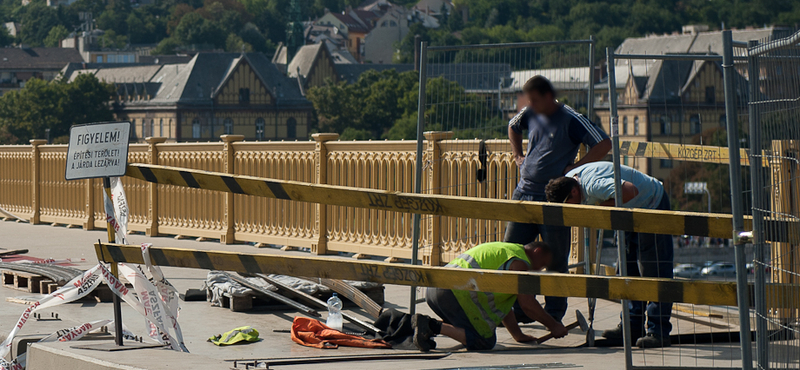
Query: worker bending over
[[649, 255], [471, 317]]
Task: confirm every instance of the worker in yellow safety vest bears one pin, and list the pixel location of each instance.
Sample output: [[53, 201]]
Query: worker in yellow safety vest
[[471, 317]]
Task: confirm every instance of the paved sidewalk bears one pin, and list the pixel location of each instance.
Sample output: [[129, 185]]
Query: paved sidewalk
[[199, 320]]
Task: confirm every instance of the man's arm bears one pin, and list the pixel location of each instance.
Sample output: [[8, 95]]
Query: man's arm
[[510, 322], [629, 191], [516, 146], [595, 154], [533, 309]]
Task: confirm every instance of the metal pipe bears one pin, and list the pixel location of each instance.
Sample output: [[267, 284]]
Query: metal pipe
[[735, 171], [114, 271], [423, 52], [757, 195], [508, 45], [590, 115], [689, 57], [622, 249], [774, 45]]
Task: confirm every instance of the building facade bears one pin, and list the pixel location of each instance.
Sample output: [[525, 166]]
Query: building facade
[[211, 95]]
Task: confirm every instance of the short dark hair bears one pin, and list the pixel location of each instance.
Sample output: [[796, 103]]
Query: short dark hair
[[539, 84], [558, 189], [539, 245]]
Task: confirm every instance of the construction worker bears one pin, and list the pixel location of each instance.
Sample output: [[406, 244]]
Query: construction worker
[[648, 255], [471, 317], [554, 132]]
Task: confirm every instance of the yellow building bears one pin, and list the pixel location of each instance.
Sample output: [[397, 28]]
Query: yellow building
[[211, 95]]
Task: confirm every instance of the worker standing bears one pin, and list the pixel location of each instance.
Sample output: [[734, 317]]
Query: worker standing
[[555, 132]]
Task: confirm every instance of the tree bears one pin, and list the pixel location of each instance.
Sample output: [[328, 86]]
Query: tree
[[55, 36], [235, 44], [26, 113], [110, 39], [37, 20], [5, 38]]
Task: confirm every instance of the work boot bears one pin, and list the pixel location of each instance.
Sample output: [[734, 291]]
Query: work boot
[[617, 334], [653, 341], [422, 332]]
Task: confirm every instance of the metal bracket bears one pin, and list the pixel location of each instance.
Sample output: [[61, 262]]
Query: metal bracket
[[743, 237]]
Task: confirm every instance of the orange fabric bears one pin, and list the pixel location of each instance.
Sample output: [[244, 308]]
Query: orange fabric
[[312, 333]]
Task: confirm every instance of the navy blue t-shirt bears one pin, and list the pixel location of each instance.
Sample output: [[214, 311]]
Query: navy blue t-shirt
[[553, 143]]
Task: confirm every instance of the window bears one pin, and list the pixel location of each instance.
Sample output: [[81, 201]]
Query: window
[[259, 128], [99, 59], [152, 127], [625, 125], [196, 128], [111, 58], [723, 121], [384, 23], [625, 160], [695, 125], [711, 95], [392, 24], [291, 128], [244, 96], [228, 123], [666, 163], [666, 126], [161, 127], [636, 125]]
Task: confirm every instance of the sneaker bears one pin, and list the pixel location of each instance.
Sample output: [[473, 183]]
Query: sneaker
[[616, 334], [422, 333], [653, 341]]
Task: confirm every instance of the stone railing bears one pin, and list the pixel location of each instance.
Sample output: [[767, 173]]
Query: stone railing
[[32, 186]]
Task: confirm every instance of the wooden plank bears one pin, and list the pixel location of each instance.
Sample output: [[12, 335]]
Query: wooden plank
[[272, 295], [681, 152], [316, 302], [608, 218], [354, 295], [510, 282]]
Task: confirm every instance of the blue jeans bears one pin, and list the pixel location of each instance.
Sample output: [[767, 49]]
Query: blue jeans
[[557, 237], [650, 255]]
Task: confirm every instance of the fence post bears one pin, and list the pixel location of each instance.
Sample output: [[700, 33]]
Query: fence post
[[229, 158], [152, 191], [36, 196], [433, 229], [321, 164], [88, 223], [735, 172]]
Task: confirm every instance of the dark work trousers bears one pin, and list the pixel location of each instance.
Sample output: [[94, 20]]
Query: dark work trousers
[[557, 237], [650, 255]]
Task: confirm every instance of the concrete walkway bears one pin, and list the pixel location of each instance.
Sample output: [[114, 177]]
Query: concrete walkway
[[199, 320]]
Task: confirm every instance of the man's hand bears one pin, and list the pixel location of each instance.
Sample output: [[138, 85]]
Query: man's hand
[[559, 331], [524, 338], [519, 159]]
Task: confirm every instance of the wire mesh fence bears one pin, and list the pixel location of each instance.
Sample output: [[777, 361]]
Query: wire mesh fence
[[677, 104], [472, 92], [774, 120]]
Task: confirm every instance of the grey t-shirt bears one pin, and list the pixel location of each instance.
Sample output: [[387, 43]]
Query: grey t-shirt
[[553, 142]]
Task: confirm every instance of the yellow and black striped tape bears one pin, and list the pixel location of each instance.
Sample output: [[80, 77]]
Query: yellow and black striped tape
[[607, 218], [560, 285], [511, 282], [681, 152]]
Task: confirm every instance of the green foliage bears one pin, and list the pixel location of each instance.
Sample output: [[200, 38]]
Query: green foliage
[[55, 36], [5, 38], [110, 39], [384, 105], [234, 44], [37, 19], [55, 105]]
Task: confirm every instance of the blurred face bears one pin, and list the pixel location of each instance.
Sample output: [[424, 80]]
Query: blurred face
[[540, 103], [540, 259]]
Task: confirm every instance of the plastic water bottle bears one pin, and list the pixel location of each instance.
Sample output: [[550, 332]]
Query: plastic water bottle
[[334, 313]]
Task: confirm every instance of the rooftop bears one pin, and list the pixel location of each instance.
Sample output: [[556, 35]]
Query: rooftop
[[37, 58]]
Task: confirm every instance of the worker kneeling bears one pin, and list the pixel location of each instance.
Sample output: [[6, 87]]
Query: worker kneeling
[[471, 317]]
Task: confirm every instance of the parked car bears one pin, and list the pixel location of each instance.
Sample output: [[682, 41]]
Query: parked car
[[686, 270], [719, 269]]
